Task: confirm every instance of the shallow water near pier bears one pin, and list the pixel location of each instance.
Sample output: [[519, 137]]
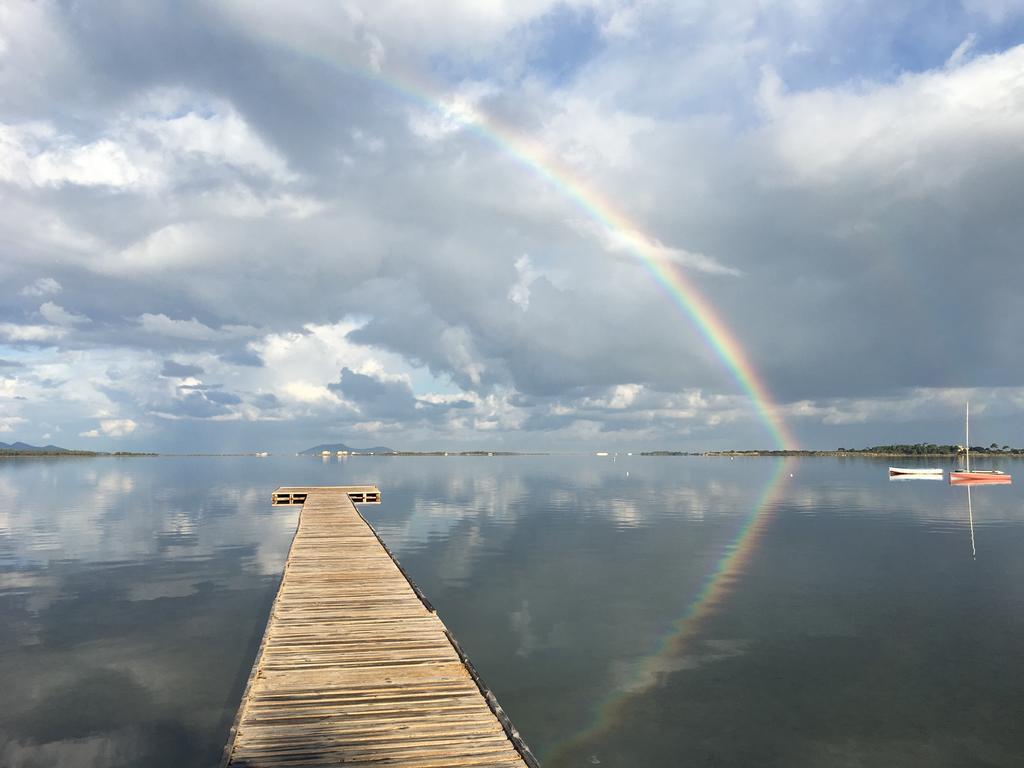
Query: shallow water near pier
[[626, 611]]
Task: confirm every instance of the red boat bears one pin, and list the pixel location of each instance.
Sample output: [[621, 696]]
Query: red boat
[[987, 477], [978, 476]]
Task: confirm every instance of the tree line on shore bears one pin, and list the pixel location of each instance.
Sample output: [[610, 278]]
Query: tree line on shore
[[931, 449]]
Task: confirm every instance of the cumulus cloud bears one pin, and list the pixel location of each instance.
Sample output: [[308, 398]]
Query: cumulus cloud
[[15, 332], [111, 428], [43, 286], [35, 155], [519, 293], [10, 423], [916, 128], [145, 149], [57, 315]]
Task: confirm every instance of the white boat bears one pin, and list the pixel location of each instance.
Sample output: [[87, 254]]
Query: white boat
[[929, 473]]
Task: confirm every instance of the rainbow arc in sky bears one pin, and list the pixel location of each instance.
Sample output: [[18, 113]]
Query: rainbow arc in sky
[[684, 293], [612, 222], [619, 229]]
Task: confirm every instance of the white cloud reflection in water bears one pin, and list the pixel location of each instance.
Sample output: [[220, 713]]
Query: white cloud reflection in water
[[135, 591]]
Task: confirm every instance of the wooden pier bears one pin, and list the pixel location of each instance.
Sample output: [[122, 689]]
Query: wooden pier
[[355, 667]]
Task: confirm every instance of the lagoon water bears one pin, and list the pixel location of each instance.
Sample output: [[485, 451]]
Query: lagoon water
[[633, 612]]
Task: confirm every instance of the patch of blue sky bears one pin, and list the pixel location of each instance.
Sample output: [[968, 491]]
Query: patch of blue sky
[[424, 382], [707, 71], [562, 42], [552, 48], [882, 41], [15, 353], [20, 360]]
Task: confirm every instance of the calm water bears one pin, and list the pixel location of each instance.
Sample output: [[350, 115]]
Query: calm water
[[641, 612]]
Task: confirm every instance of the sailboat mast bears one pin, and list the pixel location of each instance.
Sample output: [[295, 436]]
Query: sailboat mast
[[967, 434]]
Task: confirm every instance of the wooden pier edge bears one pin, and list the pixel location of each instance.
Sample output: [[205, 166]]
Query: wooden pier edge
[[510, 731], [229, 745], [492, 701]]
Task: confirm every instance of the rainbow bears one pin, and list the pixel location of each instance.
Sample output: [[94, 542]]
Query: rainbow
[[626, 235], [663, 658], [614, 225], [658, 261]]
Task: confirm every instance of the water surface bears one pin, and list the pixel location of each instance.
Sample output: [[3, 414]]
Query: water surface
[[635, 612]]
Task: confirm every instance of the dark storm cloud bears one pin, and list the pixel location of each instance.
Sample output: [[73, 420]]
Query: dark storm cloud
[[199, 404], [389, 400], [376, 398], [172, 369]]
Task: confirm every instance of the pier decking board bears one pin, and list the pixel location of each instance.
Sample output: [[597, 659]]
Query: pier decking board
[[355, 667]]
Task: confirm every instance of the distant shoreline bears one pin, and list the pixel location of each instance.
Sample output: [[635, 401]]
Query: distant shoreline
[[69, 454], [1014, 454]]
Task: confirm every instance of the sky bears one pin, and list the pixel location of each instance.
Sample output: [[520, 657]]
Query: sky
[[261, 226]]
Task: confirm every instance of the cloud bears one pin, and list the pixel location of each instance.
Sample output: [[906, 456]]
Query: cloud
[[10, 363], [191, 329], [172, 369], [364, 268], [245, 357], [962, 51], [43, 286], [197, 404], [362, 36], [638, 245], [376, 398], [34, 155], [923, 129], [111, 428], [31, 333], [267, 401], [57, 315], [10, 423], [519, 293], [167, 132]]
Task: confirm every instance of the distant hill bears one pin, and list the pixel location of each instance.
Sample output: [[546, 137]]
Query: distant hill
[[316, 450], [26, 448]]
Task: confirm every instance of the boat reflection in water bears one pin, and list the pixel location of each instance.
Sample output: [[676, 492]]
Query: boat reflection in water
[[970, 517], [987, 479]]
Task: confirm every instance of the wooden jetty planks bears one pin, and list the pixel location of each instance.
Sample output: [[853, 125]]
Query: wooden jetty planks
[[355, 667]]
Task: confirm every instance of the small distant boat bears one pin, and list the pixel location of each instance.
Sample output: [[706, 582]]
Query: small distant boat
[[977, 476], [922, 473]]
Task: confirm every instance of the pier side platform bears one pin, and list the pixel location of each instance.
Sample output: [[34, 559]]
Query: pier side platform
[[355, 667]]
